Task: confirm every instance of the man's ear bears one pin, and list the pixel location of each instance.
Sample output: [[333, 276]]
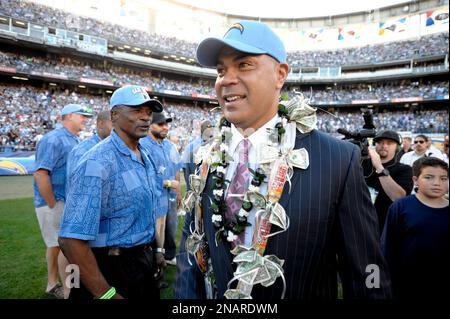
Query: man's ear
[[282, 72], [416, 187]]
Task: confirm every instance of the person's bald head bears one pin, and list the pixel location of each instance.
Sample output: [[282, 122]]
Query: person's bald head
[[104, 124], [104, 115]]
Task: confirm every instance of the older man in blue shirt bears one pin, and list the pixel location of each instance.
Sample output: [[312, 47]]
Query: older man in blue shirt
[[108, 225], [49, 187]]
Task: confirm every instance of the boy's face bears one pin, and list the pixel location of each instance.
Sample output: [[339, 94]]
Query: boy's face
[[432, 182]]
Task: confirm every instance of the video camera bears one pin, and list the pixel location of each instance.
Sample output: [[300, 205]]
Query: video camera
[[360, 138]]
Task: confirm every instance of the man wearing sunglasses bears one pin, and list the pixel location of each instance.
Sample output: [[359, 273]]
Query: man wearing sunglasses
[[422, 147]]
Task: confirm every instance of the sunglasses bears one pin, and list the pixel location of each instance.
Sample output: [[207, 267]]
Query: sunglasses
[[420, 142]]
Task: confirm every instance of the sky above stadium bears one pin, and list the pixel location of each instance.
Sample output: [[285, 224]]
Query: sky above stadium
[[250, 8], [290, 8]]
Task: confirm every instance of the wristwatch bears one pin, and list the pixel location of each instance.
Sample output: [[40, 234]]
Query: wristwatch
[[384, 172], [160, 250]]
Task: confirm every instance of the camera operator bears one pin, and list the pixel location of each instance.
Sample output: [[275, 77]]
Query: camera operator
[[388, 178]]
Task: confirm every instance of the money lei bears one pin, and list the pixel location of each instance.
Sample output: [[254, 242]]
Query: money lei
[[252, 266]]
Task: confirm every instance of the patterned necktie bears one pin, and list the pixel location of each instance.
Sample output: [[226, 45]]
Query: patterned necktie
[[238, 185]]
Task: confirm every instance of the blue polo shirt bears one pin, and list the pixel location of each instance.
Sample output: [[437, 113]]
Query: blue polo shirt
[[78, 151], [112, 197], [51, 155], [167, 161]]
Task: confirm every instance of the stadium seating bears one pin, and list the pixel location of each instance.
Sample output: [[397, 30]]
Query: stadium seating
[[27, 113], [402, 50], [75, 69]]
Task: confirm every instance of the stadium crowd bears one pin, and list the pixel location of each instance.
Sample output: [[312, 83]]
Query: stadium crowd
[[382, 91], [436, 44], [423, 46], [118, 75], [76, 68], [428, 121], [42, 14], [27, 113]]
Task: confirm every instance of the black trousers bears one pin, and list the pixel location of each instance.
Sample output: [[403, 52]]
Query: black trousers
[[170, 233], [130, 271]]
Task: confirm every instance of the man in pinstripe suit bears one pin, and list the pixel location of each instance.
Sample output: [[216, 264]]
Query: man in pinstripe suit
[[333, 225]]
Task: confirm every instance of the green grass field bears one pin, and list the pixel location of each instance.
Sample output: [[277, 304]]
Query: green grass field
[[23, 273]]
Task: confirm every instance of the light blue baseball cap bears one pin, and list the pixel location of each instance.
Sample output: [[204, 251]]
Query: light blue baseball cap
[[245, 36], [77, 109], [134, 95]]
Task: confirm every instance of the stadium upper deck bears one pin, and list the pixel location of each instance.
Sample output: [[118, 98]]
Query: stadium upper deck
[[55, 23]]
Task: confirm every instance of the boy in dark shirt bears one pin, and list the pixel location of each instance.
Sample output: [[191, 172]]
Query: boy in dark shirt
[[415, 238]]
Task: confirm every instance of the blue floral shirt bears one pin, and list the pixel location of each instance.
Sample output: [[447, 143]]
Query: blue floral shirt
[[78, 151], [112, 197], [51, 154]]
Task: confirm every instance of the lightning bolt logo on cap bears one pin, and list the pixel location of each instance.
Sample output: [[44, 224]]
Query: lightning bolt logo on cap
[[238, 26]]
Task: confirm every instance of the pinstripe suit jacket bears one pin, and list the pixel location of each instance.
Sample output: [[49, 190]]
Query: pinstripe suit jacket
[[333, 228]]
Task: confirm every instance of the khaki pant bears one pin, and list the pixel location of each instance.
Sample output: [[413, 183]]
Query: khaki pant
[[49, 221], [161, 228]]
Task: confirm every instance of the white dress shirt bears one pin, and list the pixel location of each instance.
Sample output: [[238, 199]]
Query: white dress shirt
[[410, 157]]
